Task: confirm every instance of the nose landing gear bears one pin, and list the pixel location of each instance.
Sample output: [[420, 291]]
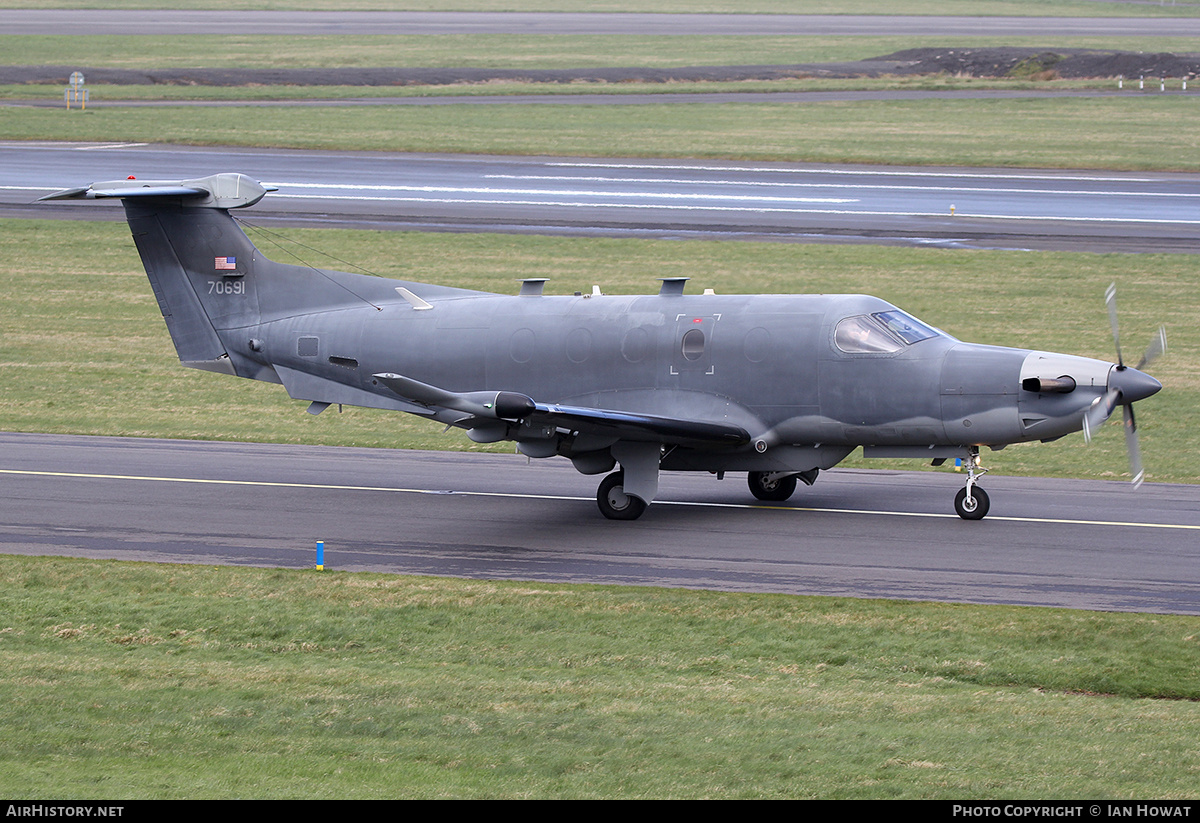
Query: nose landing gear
[[971, 502]]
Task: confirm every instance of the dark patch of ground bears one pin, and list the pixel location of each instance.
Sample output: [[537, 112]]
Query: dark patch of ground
[[982, 63], [1025, 63]]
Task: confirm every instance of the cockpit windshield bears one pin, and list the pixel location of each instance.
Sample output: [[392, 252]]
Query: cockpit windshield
[[881, 332], [905, 326]]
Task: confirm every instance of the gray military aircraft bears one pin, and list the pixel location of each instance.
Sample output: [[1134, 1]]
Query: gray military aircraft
[[778, 386]]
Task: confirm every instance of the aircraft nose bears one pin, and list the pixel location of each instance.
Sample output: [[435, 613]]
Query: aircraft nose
[[1133, 385]]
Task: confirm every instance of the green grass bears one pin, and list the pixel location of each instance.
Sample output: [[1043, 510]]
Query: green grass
[[110, 95], [509, 51], [130, 680], [1160, 132], [85, 350], [1053, 8]]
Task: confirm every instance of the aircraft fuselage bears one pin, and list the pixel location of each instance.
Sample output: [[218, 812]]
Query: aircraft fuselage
[[779, 386]]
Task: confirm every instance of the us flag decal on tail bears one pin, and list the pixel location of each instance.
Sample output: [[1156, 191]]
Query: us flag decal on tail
[[225, 263]]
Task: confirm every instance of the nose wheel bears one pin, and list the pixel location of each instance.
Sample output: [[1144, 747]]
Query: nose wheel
[[971, 502], [973, 507]]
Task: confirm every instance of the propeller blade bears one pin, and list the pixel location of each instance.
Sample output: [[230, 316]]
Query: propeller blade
[[1099, 411], [1158, 345], [1110, 298], [1136, 386], [1135, 451]]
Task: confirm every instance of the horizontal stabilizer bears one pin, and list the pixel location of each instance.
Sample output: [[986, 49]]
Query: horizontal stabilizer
[[143, 191], [303, 386], [217, 191]]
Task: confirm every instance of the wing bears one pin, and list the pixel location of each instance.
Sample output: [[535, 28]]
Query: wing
[[484, 409]]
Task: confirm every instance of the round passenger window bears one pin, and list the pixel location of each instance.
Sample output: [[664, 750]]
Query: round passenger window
[[693, 344]]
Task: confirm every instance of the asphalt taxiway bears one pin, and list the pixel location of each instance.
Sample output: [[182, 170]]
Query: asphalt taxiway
[[890, 534], [954, 207]]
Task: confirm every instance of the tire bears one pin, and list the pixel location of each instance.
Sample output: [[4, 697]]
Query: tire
[[978, 510], [614, 503], [776, 492]]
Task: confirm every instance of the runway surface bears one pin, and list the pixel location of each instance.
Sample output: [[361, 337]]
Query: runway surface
[[175, 22], [976, 208], [890, 534]]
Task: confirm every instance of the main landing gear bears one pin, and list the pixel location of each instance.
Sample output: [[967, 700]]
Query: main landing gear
[[972, 502], [614, 503], [775, 487]]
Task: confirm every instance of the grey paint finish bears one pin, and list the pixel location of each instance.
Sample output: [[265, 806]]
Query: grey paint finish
[[769, 384]]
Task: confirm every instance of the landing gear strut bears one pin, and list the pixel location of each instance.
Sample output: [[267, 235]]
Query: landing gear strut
[[972, 502]]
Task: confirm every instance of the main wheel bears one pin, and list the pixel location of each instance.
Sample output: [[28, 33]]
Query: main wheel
[[775, 491], [976, 508], [614, 503]]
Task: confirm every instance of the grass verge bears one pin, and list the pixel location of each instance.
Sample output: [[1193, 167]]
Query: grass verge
[[510, 51], [1064, 8], [130, 680], [1136, 132], [112, 95]]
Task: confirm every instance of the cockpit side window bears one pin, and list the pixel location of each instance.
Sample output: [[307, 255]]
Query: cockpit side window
[[883, 332], [862, 334]]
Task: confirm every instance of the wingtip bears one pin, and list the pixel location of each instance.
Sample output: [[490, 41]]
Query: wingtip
[[64, 194]]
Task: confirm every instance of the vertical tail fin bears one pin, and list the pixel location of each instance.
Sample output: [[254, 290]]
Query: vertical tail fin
[[196, 256], [197, 261]]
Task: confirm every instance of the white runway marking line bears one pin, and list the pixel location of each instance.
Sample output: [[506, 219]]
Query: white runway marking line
[[960, 216], [107, 146], [397, 490], [477, 190], [27, 188], [673, 201], [873, 186], [857, 172]]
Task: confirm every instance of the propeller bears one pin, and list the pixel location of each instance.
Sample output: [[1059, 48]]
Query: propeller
[[1125, 386]]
